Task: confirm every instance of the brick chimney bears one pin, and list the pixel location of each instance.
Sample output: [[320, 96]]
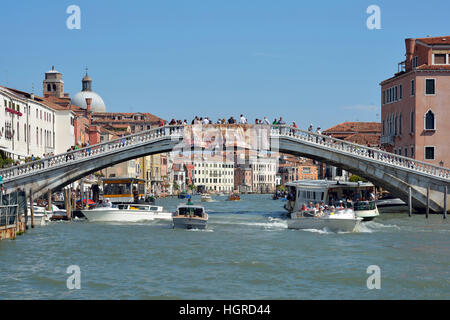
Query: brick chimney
[[88, 109], [409, 44]]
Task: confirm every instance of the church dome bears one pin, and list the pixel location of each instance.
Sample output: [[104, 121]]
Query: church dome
[[79, 99], [97, 104]]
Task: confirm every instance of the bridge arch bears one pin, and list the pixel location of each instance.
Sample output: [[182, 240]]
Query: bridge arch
[[392, 172]]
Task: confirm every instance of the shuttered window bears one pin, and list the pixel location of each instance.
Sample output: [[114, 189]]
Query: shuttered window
[[439, 59]]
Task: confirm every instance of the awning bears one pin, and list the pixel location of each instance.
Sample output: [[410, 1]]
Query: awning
[[5, 149]]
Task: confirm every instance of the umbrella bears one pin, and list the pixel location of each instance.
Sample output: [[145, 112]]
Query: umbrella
[[89, 201]]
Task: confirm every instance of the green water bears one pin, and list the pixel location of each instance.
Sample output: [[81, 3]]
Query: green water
[[246, 253]]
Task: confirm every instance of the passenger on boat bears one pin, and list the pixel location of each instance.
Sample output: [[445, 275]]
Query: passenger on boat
[[107, 203], [332, 209]]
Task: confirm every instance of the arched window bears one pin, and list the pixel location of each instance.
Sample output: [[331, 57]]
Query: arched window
[[430, 121], [49, 87]]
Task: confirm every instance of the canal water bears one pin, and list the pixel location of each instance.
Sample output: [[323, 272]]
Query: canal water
[[246, 253]]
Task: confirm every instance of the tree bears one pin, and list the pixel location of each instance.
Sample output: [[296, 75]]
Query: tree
[[356, 178]]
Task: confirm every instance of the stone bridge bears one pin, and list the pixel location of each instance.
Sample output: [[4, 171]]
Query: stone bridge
[[394, 173]]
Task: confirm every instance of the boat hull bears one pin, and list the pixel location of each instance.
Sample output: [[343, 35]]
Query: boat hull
[[334, 225], [189, 223], [367, 215], [124, 215]]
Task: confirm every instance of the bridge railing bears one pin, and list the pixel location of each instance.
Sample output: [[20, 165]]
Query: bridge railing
[[90, 151], [362, 151], [178, 130]]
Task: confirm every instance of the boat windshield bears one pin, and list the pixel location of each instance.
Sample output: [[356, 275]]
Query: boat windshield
[[364, 205], [186, 211]]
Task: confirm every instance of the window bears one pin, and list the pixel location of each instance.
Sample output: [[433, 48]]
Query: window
[[384, 97], [429, 153], [395, 93], [413, 87], [400, 89], [412, 122], [395, 125], [25, 132], [440, 58], [400, 124], [406, 152], [430, 85], [430, 121], [412, 152], [415, 62], [18, 130], [49, 88]]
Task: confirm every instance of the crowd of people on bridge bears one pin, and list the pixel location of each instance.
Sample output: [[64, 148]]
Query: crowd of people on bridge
[[231, 120]]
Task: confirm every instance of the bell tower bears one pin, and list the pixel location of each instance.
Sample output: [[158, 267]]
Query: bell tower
[[86, 82], [53, 85]]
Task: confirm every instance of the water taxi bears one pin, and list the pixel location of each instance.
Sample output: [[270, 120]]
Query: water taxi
[[330, 219], [234, 197], [190, 216], [206, 198], [357, 196], [126, 213]]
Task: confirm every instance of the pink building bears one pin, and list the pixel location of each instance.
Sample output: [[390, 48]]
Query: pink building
[[415, 103]]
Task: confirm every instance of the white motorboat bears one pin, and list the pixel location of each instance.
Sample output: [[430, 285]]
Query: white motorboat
[[42, 215], [366, 209], [334, 220], [206, 198], [127, 213], [190, 216], [391, 204], [356, 195]]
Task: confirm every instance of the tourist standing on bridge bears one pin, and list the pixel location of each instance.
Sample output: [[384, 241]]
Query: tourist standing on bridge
[[242, 120], [318, 131], [281, 121], [266, 121], [231, 120]]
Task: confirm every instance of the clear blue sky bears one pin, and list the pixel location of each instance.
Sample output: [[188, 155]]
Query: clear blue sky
[[309, 62]]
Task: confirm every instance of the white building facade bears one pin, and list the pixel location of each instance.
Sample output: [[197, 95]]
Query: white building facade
[[28, 126], [214, 175], [264, 171]]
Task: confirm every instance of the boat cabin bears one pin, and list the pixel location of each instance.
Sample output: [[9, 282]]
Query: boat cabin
[[333, 193], [191, 211], [122, 190]]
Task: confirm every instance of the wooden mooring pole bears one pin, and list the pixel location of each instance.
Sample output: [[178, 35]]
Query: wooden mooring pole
[[445, 202], [67, 202], [428, 202], [32, 208], [49, 200], [409, 201], [26, 212]]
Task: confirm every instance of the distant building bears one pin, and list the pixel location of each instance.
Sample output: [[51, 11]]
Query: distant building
[[415, 102], [214, 173], [363, 133], [292, 168]]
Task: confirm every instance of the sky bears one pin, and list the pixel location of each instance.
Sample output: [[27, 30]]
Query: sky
[[310, 62]]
